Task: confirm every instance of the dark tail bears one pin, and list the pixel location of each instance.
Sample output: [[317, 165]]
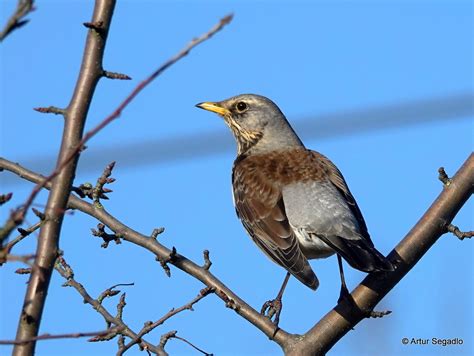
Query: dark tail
[[359, 254]]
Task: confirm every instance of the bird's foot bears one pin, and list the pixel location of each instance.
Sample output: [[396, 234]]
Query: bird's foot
[[272, 309], [345, 295]]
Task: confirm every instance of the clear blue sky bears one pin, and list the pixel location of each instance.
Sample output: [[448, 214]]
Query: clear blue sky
[[311, 58]]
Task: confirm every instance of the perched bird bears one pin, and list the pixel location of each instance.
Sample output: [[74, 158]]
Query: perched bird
[[294, 202]]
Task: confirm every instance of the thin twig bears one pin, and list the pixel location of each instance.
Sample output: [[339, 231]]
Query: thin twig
[[321, 337], [14, 220], [461, 235], [192, 345], [118, 111], [51, 110], [5, 198], [151, 326], [207, 261], [205, 276], [164, 339], [122, 328], [443, 177], [115, 75], [57, 336], [5, 251], [100, 232], [110, 292], [16, 21], [68, 156], [26, 259], [156, 232], [99, 191]]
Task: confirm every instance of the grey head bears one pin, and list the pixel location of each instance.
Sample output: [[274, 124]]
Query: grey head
[[257, 123]]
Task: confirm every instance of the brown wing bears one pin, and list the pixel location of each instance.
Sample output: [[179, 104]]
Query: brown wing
[[259, 205]]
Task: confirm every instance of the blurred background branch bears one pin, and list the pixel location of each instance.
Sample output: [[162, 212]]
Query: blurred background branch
[[459, 106], [23, 8]]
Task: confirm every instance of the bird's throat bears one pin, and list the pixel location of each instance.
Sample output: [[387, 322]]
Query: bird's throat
[[246, 139]]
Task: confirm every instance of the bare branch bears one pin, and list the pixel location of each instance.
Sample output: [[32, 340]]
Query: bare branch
[[15, 219], [23, 258], [57, 336], [231, 300], [173, 335], [5, 251], [110, 292], [5, 198], [101, 28], [115, 75], [16, 21], [192, 345], [120, 327], [461, 235], [51, 110], [150, 326], [23, 271], [335, 324], [156, 232], [71, 145], [121, 306], [164, 339], [100, 232], [341, 319]]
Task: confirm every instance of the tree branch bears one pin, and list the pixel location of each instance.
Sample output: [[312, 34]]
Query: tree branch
[[343, 317], [57, 336], [120, 327], [461, 235], [16, 21], [150, 326], [75, 118], [99, 28], [334, 325], [5, 251], [231, 300]]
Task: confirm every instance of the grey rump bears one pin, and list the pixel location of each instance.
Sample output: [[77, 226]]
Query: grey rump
[[294, 202]]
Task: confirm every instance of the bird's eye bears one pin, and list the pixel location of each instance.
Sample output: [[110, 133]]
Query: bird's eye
[[241, 106]]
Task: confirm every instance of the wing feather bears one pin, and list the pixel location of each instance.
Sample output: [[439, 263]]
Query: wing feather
[[259, 205], [359, 252]]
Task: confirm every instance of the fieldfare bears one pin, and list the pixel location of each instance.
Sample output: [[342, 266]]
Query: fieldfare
[[293, 202]]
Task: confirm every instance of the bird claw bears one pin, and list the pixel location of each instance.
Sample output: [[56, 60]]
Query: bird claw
[[270, 309], [345, 295]]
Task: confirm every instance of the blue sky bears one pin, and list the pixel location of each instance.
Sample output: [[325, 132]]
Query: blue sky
[[311, 58]]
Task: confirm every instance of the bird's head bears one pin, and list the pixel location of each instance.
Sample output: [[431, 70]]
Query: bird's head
[[257, 123]]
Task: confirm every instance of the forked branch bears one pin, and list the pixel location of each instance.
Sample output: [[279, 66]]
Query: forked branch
[[319, 339]]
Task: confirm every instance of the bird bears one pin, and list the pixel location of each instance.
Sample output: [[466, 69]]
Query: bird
[[294, 202]]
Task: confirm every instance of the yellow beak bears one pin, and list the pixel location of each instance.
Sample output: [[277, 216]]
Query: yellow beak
[[214, 107]]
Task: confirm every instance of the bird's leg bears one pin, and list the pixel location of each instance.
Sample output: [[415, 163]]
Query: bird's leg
[[272, 308], [345, 295]]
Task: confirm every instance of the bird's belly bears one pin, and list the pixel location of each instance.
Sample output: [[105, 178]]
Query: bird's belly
[[312, 246]]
